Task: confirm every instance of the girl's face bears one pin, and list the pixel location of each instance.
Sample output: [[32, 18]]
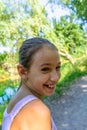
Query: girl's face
[[44, 72]]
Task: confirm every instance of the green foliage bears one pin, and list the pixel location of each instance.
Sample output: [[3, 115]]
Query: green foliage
[[70, 73], [70, 34], [3, 74], [19, 22], [3, 86], [2, 10], [2, 109], [78, 6], [7, 83], [22, 24], [2, 58]]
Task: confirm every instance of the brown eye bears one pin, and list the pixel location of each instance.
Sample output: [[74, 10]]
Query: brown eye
[[45, 69], [58, 68]]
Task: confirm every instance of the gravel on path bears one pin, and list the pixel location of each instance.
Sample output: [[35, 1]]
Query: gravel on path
[[70, 110]]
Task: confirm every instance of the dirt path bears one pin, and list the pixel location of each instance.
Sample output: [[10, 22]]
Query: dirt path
[[70, 111]]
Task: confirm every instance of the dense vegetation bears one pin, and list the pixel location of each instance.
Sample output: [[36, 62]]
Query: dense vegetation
[[19, 21]]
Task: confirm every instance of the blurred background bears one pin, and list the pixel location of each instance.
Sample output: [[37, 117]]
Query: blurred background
[[63, 22]]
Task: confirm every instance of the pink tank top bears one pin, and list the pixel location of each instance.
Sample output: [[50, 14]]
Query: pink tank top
[[8, 117]]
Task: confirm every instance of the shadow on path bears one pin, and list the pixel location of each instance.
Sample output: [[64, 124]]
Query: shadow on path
[[70, 111]]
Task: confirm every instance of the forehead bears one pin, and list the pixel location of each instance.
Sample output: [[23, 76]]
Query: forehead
[[46, 55]]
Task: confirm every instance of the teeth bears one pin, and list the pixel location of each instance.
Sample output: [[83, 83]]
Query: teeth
[[50, 86]]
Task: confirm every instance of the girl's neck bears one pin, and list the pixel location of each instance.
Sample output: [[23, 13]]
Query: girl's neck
[[25, 91]]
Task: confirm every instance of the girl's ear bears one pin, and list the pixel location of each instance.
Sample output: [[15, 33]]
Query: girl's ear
[[22, 71]]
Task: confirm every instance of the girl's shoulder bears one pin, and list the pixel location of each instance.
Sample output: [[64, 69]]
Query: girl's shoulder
[[34, 112], [35, 106]]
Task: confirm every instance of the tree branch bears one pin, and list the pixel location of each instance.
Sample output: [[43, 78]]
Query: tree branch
[[67, 55]]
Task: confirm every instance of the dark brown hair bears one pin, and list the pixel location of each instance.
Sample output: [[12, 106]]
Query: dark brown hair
[[30, 47]]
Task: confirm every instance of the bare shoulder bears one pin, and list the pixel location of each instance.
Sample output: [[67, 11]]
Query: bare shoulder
[[36, 106], [34, 115]]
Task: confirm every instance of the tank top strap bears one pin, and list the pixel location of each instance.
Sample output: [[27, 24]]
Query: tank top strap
[[20, 105]]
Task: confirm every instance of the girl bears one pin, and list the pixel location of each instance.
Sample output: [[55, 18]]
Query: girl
[[39, 69]]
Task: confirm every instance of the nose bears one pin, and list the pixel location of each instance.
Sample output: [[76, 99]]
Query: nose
[[55, 76]]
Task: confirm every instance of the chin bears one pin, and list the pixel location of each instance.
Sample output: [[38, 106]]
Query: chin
[[49, 94]]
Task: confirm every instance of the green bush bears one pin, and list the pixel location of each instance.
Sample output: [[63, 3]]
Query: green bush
[[70, 73]]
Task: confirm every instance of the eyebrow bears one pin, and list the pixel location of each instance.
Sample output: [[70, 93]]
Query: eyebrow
[[47, 64]]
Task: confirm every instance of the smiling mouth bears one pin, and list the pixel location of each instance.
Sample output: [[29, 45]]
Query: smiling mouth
[[49, 86]]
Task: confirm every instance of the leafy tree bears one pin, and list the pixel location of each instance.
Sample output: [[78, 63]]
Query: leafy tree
[[2, 58], [78, 6], [70, 34], [20, 21]]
